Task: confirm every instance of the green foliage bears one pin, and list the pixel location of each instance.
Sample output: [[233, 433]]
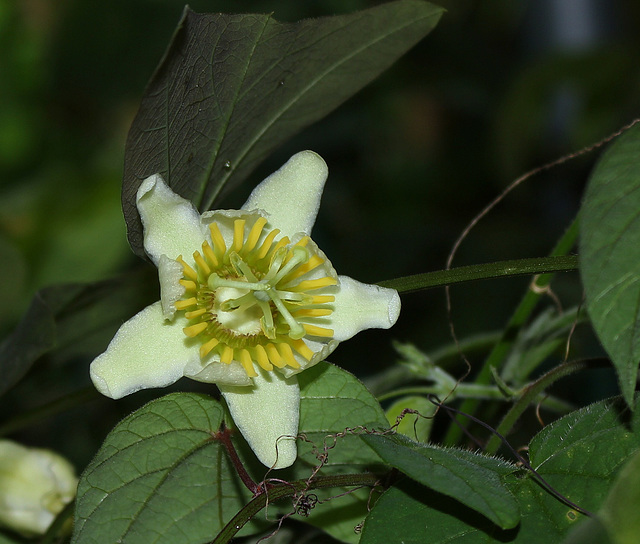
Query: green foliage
[[578, 455], [249, 83], [230, 90], [474, 480], [79, 318], [160, 472], [610, 262]]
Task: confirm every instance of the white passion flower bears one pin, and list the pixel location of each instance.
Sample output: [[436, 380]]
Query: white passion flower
[[35, 485], [248, 300]]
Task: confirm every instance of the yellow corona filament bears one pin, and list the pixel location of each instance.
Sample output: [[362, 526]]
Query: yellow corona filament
[[186, 303], [314, 330], [312, 312], [269, 292], [287, 354], [189, 272], [314, 262], [218, 241], [302, 349], [254, 233], [227, 355], [284, 241], [202, 264], [322, 299], [310, 285], [195, 313], [274, 355], [262, 358], [266, 244], [188, 285], [206, 348], [194, 330], [238, 234], [210, 255], [247, 363]]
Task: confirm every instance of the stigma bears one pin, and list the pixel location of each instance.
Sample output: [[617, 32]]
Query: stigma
[[257, 300]]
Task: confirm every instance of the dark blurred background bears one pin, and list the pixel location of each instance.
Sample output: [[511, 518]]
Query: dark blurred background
[[498, 88]]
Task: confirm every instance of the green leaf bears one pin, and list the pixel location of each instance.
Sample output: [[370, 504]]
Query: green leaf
[[159, 477], [618, 519], [335, 408], [232, 88], [416, 426], [610, 255], [580, 455], [82, 318], [474, 480]]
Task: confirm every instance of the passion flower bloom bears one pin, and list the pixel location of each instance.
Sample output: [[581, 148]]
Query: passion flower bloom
[[248, 300], [35, 485]]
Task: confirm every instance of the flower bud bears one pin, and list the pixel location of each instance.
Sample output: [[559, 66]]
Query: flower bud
[[35, 485]]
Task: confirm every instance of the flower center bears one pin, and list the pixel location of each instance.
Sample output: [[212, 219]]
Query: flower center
[[255, 301]]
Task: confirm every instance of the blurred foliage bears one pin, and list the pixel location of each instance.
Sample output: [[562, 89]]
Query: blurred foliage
[[487, 97]]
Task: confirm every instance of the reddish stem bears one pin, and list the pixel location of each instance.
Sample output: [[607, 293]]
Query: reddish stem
[[224, 436]]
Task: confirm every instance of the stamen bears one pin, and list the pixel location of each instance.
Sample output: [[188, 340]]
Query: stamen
[[247, 363], [218, 241], [314, 262], [216, 281], [235, 303], [185, 303], [195, 330], [202, 264], [266, 321], [295, 329], [266, 245], [274, 355], [242, 267], [262, 358], [284, 241], [276, 261], [314, 330], [206, 348], [238, 234], [187, 270], [254, 234], [287, 355], [299, 256]]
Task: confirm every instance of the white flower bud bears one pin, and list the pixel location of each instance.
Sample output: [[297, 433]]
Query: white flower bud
[[35, 485]]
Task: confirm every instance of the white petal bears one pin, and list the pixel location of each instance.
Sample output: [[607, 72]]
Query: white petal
[[147, 351], [171, 290], [171, 223], [359, 306], [267, 415], [291, 195], [218, 373]]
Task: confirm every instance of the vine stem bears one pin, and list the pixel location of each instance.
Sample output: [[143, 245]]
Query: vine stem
[[522, 313], [275, 492], [499, 269]]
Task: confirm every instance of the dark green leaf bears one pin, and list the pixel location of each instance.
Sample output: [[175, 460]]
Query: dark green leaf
[[474, 480], [159, 477], [580, 455], [618, 519], [610, 255], [79, 317], [232, 88], [334, 409]]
